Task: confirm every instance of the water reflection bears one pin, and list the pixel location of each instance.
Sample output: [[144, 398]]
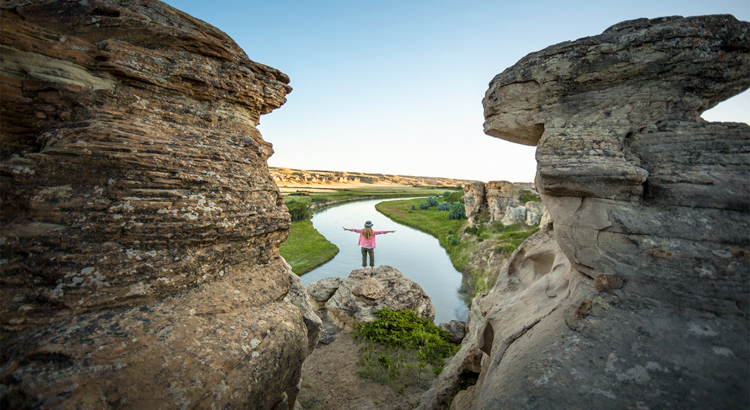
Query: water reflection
[[417, 255]]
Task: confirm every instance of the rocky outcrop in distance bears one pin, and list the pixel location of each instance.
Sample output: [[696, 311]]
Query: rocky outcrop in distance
[[286, 176], [502, 202], [140, 224], [358, 296], [639, 294]]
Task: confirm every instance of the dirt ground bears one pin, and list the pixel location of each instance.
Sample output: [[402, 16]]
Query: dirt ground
[[330, 380]]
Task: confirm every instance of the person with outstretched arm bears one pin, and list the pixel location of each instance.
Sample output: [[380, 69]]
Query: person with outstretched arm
[[367, 242]]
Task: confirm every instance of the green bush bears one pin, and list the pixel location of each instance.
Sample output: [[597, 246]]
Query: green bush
[[457, 196], [319, 199], [457, 211], [432, 201], [405, 329], [446, 193], [530, 196], [299, 211], [445, 206], [424, 205], [413, 208], [452, 240], [474, 230]]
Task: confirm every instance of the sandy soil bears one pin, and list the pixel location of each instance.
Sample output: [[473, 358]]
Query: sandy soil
[[330, 380]]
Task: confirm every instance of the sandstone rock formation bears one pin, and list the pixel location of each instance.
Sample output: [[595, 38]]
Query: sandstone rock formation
[[526, 290], [140, 225], [501, 201], [650, 306], [358, 296]]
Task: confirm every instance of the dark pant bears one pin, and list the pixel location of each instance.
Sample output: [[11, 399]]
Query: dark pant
[[365, 252]]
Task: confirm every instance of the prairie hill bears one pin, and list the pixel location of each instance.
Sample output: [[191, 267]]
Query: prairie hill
[[286, 177]]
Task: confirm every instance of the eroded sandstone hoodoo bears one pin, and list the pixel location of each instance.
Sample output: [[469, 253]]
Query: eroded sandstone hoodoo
[[140, 225], [358, 296], [651, 211]]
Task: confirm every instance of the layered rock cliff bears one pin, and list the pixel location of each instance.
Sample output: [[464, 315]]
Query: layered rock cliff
[[502, 202], [641, 298], [140, 225]]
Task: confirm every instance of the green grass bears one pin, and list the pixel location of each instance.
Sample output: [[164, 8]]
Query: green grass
[[306, 248], [431, 221]]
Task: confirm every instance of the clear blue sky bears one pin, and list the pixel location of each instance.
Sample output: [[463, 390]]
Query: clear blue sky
[[396, 87]]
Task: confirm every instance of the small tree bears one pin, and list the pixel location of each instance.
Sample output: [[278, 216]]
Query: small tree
[[299, 211], [432, 201], [455, 197], [457, 211]]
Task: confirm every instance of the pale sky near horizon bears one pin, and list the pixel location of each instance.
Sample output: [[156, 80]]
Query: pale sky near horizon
[[396, 86]]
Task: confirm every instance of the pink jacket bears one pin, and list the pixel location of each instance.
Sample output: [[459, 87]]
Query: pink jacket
[[367, 243]]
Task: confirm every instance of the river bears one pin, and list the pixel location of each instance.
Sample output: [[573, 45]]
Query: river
[[416, 254]]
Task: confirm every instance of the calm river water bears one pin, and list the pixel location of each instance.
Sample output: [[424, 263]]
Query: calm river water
[[417, 255]]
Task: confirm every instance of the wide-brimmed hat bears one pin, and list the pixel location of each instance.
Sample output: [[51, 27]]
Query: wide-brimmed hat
[[368, 224]]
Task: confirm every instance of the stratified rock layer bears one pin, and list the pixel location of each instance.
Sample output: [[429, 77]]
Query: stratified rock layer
[[650, 207], [140, 225], [501, 202]]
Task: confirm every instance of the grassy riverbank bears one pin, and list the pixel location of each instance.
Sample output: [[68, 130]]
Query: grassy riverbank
[[478, 252], [306, 248]]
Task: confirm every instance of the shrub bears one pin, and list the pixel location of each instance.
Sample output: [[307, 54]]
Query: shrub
[[446, 193], [299, 211], [319, 199], [474, 230], [507, 248], [405, 329], [445, 206], [529, 196], [432, 201], [457, 211], [455, 197], [413, 208], [424, 205], [452, 240]]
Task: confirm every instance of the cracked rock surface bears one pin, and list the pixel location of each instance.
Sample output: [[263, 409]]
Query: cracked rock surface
[[639, 295], [140, 225]]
